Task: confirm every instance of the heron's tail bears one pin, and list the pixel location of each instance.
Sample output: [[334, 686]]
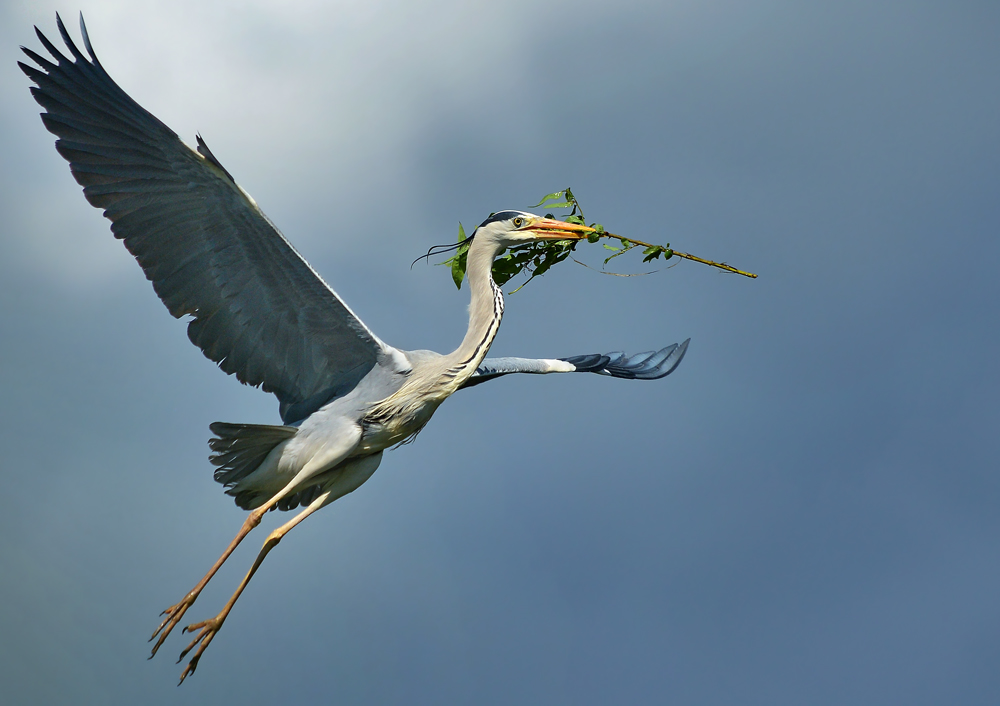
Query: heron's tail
[[239, 449]]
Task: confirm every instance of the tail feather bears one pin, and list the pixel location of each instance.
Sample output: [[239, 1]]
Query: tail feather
[[240, 448]]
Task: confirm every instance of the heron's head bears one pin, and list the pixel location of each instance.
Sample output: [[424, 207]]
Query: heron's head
[[509, 228], [506, 229]]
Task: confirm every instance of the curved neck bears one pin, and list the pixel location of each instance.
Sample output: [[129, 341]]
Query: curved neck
[[407, 409], [485, 309]]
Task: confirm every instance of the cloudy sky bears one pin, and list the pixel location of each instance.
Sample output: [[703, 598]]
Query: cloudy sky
[[805, 512]]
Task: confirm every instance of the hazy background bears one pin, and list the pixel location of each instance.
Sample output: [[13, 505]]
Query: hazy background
[[805, 512]]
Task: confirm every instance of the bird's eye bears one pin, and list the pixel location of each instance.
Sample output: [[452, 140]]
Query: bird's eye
[[518, 222]]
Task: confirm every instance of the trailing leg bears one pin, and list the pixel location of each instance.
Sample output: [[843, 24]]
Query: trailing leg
[[317, 454], [175, 612], [347, 480]]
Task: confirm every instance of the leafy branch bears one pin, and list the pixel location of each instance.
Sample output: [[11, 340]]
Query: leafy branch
[[538, 257]]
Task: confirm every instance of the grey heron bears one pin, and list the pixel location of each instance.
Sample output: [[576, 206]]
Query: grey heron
[[260, 312]]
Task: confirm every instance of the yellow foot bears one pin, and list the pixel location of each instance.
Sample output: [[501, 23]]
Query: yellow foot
[[206, 631], [174, 614]]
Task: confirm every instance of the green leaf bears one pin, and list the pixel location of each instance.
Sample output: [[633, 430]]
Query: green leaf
[[459, 261], [653, 252], [511, 263], [621, 251], [549, 197], [544, 255], [563, 204], [611, 247]]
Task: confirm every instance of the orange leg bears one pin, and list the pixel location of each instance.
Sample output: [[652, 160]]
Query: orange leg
[[347, 439], [331, 457], [208, 628], [175, 612], [341, 481]]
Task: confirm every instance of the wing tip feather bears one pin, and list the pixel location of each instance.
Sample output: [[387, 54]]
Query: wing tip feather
[[205, 152], [86, 40]]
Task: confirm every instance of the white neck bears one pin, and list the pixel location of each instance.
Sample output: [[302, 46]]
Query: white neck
[[485, 310]]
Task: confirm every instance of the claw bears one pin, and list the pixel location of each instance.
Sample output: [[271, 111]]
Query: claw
[[174, 614], [206, 631], [188, 670]]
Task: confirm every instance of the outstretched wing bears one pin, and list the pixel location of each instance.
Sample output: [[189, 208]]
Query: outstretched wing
[[651, 365], [258, 309]]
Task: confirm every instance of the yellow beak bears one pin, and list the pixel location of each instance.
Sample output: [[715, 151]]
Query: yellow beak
[[549, 229]]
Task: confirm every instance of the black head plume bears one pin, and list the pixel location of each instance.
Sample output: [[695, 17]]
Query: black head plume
[[442, 249]]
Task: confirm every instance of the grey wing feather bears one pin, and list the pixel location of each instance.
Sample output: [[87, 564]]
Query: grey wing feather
[[651, 365], [258, 309], [645, 366]]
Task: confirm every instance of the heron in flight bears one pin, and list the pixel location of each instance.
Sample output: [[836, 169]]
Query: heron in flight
[[263, 314]]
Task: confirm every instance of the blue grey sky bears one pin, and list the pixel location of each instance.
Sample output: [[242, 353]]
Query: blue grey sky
[[806, 511]]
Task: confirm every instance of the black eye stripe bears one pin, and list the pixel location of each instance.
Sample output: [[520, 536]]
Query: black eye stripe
[[502, 216]]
